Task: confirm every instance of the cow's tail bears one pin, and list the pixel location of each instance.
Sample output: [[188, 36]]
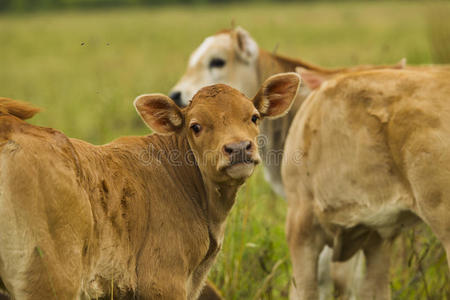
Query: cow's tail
[[18, 109]]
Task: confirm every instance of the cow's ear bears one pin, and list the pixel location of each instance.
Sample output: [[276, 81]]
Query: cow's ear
[[401, 64], [313, 79], [246, 47], [277, 94], [160, 113]]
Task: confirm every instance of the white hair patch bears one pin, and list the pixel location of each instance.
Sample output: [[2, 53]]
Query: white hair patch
[[201, 50], [211, 43]]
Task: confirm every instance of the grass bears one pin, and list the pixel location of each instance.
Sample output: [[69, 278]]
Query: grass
[[85, 69]]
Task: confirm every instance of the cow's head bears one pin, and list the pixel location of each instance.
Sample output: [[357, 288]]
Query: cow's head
[[221, 124], [229, 57]]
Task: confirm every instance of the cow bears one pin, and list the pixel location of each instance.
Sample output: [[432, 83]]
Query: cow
[[140, 217], [233, 57], [373, 148]]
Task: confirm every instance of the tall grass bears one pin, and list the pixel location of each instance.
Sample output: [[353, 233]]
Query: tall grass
[[85, 68], [439, 31]]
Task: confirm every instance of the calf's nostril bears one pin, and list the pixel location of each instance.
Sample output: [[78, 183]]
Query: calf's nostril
[[228, 150], [236, 148]]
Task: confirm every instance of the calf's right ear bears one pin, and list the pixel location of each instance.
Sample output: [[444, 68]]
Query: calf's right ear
[[277, 94], [160, 113]]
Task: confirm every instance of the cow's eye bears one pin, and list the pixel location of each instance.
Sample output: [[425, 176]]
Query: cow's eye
[[217, 63], [255, 118], [196, 128]]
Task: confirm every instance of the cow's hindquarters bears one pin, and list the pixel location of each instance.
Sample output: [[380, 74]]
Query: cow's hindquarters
[[44, 223]]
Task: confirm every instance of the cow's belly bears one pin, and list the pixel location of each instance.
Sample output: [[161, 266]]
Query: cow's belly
[[383, 205]]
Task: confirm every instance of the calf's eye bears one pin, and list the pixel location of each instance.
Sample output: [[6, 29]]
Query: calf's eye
[[255, 118], [196, 128], [217, 63]]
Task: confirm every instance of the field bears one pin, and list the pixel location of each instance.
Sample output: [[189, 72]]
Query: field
[[84, 68]]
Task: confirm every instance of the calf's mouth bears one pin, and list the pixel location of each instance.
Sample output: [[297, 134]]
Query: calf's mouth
[[240, 166]]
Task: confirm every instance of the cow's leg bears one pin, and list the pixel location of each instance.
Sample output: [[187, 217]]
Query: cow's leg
[[34, 265], [39, 274], [427, 170], [347, 277], [324, 276], [429, 177], [210, 292], [376, 281], [305, 240], [435, 214]]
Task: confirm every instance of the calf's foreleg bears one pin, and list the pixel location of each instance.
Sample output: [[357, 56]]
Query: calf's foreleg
[[305, 241]]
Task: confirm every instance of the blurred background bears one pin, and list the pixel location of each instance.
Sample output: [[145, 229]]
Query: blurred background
[[84, 62]]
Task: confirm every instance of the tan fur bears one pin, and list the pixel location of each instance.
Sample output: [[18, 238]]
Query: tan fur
[[374, 160], [139, 217], [17, 108], [210, 292]]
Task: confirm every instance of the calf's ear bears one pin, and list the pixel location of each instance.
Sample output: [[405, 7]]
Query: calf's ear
[[277, 94], [160, 113]]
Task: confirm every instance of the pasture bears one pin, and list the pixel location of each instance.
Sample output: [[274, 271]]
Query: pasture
[[84, 68]]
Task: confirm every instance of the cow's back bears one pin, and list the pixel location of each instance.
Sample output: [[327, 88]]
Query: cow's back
[[354, 135]]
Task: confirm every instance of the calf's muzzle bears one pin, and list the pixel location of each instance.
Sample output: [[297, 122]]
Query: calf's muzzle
[[240, 152]]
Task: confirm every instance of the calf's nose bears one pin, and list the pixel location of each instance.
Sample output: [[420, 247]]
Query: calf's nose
[[176, 96], [237, 148]]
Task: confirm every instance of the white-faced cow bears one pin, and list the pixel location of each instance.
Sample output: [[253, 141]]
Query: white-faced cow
[[375, 159], [140, 217]]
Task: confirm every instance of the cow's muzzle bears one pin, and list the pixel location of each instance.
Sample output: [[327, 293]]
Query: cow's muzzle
[[241, 158]]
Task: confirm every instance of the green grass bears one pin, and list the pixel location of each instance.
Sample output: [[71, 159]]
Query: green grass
[[85, 69]]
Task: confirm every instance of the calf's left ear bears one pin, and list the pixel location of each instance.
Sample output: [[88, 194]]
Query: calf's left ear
[[277, 94], [160, 113]]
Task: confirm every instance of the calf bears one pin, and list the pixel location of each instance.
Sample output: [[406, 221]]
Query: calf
[[139, 217], [374, 159], [233, 57]]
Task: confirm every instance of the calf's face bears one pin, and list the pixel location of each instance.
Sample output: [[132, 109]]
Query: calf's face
[[220, 123], [229, 57]]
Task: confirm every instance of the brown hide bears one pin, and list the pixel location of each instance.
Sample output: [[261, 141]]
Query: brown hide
[[112, 200], [375, 160], [139, 217], [274, 132]]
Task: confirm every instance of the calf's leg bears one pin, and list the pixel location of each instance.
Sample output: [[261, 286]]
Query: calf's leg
[[438, 218], [429, 177], [347, 277], [35, 264], [305, 241], [376, 281], [41, 275]]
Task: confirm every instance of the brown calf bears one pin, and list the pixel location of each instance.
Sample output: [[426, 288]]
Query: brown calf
[[373, 149], [139, 217]]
